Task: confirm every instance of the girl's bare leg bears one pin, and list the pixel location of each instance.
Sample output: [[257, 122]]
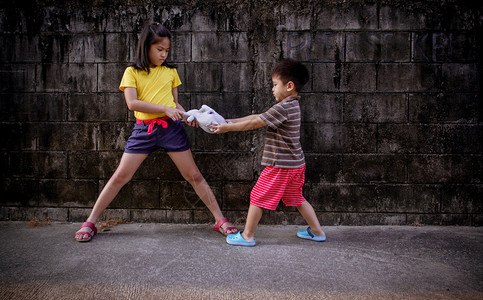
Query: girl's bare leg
[[124, 172], [309, 215], [187, 167]]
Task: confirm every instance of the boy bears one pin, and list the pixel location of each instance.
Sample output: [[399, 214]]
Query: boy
[[284, 174]]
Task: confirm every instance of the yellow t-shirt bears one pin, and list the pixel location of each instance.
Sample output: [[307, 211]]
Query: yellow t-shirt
[[155, 87]]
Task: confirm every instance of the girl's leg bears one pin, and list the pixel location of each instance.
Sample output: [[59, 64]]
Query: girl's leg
[[309, 215], [124, 172], [253, 218], [187, 167]]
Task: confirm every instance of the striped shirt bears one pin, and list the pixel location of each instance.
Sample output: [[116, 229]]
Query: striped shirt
[[282, 142]]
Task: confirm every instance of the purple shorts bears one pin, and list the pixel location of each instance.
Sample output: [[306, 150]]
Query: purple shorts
[[170, 139]]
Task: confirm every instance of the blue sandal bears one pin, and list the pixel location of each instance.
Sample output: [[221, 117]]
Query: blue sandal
[[238, 240], [309, 235]]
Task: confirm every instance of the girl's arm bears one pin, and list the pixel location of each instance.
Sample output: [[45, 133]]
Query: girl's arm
[[133, 103], [175, 97], [181, 108], [240, 124]]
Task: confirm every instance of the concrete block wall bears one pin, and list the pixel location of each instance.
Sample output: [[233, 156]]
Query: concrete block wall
[[392, 116]]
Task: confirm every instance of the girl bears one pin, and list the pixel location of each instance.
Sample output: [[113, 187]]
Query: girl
[[150, 88]]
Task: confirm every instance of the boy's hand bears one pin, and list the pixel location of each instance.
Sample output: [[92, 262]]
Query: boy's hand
[[222, 128]]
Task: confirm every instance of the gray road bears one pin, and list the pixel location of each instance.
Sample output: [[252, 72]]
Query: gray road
[[171, 261]]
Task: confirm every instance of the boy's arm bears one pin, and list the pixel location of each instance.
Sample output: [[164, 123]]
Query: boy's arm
[[240, 124], [241, 119]]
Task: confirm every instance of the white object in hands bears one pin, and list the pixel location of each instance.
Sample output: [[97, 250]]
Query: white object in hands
[[205, 116]]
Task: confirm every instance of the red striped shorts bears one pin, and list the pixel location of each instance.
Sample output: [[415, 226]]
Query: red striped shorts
[[278, 183]]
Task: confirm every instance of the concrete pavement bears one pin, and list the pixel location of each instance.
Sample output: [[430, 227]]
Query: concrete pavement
[[173, 261]]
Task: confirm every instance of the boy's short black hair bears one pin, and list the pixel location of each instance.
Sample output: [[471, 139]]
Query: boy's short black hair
[[291, 70]]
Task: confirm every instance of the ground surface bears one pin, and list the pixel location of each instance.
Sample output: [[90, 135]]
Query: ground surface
[[171, 261]]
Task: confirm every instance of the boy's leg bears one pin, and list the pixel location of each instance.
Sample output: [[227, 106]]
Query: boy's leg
[[265, 194], [187, 167], [127, 167], [309, 215], [253, 218]]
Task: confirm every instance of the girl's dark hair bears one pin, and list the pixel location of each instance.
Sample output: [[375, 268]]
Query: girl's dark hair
[[150, 34], [291, 70]]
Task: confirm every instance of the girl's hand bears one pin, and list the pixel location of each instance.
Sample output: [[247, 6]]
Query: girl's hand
[[193, 123], [174, 114]]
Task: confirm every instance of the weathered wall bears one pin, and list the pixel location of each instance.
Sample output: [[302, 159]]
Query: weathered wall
[[392, 116]]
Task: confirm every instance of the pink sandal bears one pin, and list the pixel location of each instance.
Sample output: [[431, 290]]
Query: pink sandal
[[90, 225], [220, 223]]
